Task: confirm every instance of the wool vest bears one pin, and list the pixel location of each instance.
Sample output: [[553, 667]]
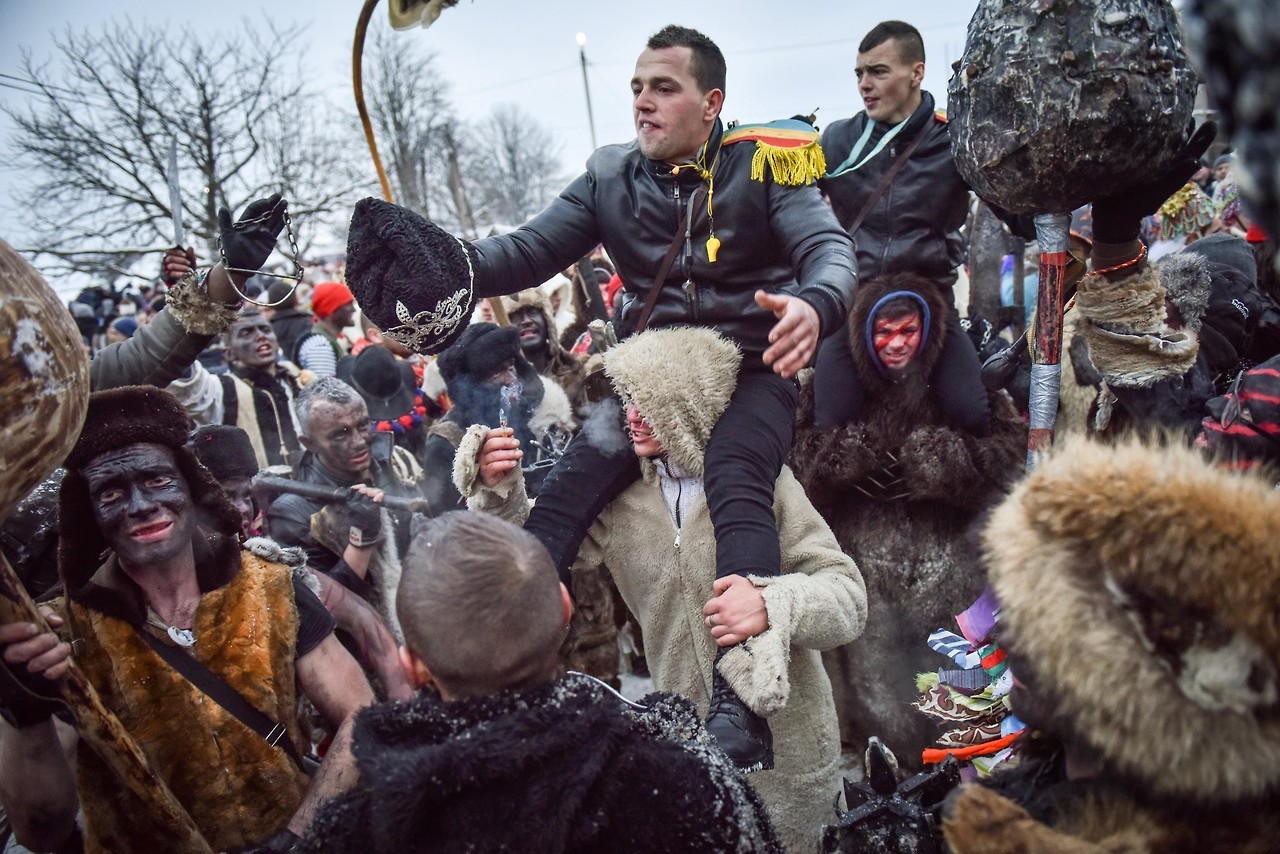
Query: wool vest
[[237, 788]]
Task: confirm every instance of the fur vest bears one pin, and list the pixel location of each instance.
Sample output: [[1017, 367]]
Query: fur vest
[[559, 767], [237, 788], [901, 491]]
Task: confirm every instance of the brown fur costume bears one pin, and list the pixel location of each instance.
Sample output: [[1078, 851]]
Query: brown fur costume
[[1140, 589], [563, 367], [237, 788], [900, 491]]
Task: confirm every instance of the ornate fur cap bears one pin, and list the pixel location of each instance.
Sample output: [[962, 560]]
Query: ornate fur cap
[[1140, 587], [681, 379], [410, 276]]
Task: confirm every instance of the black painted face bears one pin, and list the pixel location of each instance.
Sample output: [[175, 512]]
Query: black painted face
[[340, 436], [251, 342], [240, 491], [532, 325], [141, 503]]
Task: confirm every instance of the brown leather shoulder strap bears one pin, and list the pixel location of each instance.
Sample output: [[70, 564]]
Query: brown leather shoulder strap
[[660, 280], [885, 182]]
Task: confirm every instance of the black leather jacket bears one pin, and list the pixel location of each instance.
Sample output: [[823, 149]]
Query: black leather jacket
[[915, 224], [776, 238]]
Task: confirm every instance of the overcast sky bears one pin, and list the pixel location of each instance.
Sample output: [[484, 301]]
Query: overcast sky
[[783, 58]]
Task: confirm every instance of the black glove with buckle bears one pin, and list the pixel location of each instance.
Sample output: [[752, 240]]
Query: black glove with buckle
[[247, 243]]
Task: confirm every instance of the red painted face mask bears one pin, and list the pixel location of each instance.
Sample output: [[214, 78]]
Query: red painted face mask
[[897, 340]]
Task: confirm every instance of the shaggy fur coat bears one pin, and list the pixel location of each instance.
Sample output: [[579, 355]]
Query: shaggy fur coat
[[681, 379], [1140, 596], [237, 788], [901, 490], [559, 767]]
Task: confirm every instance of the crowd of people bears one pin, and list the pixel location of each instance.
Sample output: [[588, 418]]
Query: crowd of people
[[359, 565]]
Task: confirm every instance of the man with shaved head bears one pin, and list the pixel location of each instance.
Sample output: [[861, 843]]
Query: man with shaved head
[[501, 749]]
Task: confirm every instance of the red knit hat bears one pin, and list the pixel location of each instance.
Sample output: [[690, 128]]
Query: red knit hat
[[328, 297]]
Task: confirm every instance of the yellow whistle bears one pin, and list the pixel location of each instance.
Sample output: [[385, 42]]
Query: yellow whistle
[[713, 246]]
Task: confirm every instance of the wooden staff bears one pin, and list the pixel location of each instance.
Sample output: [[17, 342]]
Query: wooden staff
[[1046, 348]]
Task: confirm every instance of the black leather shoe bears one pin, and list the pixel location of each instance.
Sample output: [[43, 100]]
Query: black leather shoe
[[743, 735]]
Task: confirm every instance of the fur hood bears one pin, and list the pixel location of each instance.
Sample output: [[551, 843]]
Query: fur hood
[[681, 379], [535, 298], [871, 373], [1140, 587]]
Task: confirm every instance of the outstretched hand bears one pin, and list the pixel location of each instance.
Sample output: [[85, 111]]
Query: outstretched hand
[[1117, 219], [247, 243], [794, 338], [499, 454]]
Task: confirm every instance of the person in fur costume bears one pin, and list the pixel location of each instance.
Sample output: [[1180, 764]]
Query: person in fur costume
[[155, 559], [1140, 605], [500, 750], [763, 634], [357, 542], [530, 313], [900, 489]]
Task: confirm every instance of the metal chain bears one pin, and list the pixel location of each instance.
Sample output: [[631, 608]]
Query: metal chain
[[293, 249]]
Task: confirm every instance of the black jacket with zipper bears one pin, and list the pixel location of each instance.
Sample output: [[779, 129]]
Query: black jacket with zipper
[[773, 237], [915, 225]]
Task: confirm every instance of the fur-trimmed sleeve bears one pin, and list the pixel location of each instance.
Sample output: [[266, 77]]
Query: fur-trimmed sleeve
[[507, 500], [819, 602]]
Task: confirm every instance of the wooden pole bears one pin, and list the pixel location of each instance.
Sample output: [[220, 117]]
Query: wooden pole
[[1046, 345]]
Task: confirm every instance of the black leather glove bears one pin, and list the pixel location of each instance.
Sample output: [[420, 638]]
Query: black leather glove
[[999, 370], [365, 517], [247, 243], [1118, 218]]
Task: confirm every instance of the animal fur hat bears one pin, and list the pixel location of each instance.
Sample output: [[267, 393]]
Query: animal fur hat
[[116, 419], [681, 379], [1140, 593], [412, 278]]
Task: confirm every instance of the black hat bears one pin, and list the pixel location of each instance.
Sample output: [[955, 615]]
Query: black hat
[[479, 352], [411, 278], [225, 451], [386, 383]]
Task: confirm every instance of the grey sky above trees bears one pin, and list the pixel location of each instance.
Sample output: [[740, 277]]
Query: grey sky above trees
[[782, 60]]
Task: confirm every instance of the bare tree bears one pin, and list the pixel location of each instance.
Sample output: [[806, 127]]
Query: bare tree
[[412, 116], [95, 138], [517, 170]]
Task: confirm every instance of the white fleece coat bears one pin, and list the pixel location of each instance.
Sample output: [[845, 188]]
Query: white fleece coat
[[818, 603]]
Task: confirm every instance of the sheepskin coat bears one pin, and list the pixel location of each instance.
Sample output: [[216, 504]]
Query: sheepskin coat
[[665, 575], [901, 490], [237, 788], [560, 767], [1140, 595]]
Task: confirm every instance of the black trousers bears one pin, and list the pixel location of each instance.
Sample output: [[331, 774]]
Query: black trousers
[[745, 454], [838, 397]]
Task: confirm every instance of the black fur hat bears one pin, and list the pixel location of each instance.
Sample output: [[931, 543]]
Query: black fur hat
[[479, 352], [225, 451], [412, 278]]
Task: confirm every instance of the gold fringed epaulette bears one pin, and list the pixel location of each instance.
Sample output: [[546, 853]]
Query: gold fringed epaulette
[[788, 147]]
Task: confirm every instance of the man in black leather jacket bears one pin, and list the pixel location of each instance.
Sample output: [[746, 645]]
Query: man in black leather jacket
[[912, 226], [762, 261]]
